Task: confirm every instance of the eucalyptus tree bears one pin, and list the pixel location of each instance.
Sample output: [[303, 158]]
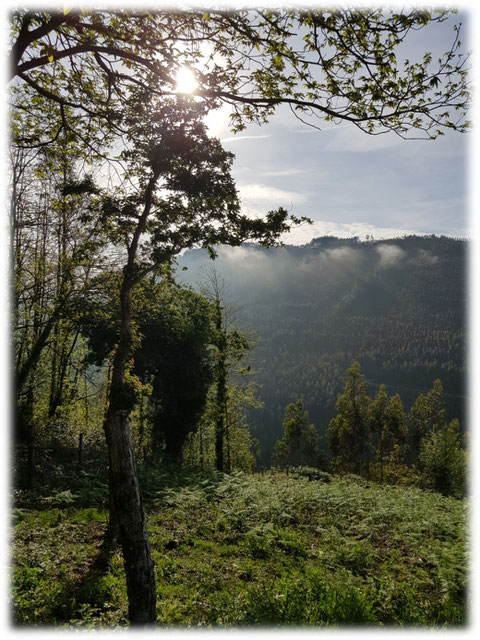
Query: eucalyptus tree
[[347, 432], [298, 444]]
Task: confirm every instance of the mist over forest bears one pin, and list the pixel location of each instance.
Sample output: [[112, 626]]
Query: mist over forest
[[396, 306]]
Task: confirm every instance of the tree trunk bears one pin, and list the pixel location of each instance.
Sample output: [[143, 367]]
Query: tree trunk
[[221, 388], [126, 508], [129, 515]]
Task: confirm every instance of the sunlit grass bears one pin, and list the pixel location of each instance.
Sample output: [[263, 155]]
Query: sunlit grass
[[256, 550]]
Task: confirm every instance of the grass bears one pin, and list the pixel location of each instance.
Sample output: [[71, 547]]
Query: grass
[[244, 550]]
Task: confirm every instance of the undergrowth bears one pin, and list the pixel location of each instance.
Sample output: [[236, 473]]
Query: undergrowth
[[237, 550]]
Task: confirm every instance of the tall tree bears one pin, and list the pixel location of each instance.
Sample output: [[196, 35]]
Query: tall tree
[[426, 416], [377, 418], [184, 196], [347, 433], [395, 430], [231, 347]]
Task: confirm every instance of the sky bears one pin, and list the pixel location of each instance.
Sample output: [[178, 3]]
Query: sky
[[350, 183]]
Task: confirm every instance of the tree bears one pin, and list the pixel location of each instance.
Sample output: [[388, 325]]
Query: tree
[[175, 357], [387, 427], [338, 64], [442, 461], [347, 433], [298, 444], [184, 195], [426, 416], [57, 247], [377, 418], [395, 431], [230, 348], [239, 448]]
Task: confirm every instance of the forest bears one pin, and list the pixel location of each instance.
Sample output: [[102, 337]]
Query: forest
[[397, 306], [210, 429]]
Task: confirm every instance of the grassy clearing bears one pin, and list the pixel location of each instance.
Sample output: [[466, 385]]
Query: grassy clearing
[[255, 550]]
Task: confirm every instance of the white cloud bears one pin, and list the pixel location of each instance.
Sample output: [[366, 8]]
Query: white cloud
[[389, 254], [236, 138], [281, 173], [258, 195], [305, 232]]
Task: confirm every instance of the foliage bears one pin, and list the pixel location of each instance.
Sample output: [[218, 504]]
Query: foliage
[[341, 65], [239, 446], [176, 331], [443, 462], [299, 442], [348, 432], [270, 549]]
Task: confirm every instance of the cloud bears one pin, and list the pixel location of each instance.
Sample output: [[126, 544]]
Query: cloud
[[281, 173], [235, 138], [258, 198], [305, 232], [389, 254], [425, 257]]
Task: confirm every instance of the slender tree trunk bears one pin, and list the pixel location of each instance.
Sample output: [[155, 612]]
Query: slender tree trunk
[[221, 389], [30, 438], [200, 433], [126, 508]]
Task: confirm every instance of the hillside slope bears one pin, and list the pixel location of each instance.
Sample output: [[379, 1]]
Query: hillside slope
[[269, 549], [397, 306]]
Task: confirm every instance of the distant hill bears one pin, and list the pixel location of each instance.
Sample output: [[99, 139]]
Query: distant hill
[[397, 306]]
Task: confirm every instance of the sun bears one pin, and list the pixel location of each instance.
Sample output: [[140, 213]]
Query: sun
[[186, 81]]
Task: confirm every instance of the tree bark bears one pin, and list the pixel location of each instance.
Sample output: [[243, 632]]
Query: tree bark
[[130, 518], [126, 508]]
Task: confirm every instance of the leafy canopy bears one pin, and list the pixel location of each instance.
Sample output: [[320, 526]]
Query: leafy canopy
[[337, 64]]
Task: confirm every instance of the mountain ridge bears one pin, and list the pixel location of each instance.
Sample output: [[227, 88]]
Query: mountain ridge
[[398, 306]]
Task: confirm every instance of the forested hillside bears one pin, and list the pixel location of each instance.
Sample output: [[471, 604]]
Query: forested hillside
[[398, 307]]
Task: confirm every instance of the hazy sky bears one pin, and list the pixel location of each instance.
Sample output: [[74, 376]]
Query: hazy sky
[[351, 183]]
